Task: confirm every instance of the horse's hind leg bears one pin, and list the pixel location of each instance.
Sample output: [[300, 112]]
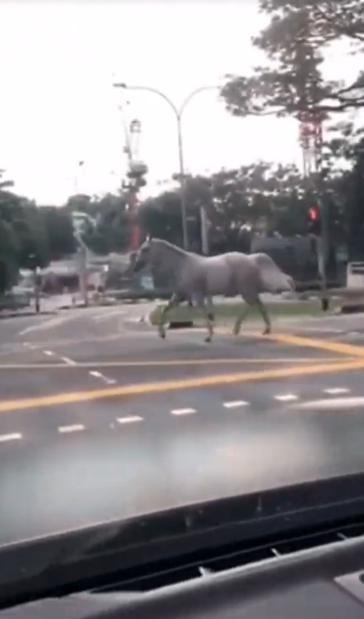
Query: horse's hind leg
[[174, 300], [240, 319], [209, 315], [264, 312], [210, 319]]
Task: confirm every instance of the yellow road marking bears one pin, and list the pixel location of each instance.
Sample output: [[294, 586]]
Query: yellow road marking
[[297, 340], [176, 385], [166, 362]]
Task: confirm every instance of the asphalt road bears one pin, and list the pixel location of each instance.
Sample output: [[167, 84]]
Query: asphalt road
[[100, 419]]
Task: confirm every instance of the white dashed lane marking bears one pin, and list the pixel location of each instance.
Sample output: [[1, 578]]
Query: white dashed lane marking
[[77, 427], [105, 379], [68, 361], [235, 404], [332, 403], [110, 381], [15, 436], [286, 397], [318, 404], [29, 345], [183, 411], [49, 353], [130, 419]]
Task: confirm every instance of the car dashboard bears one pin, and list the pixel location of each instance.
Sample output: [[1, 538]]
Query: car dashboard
[[265, 563]]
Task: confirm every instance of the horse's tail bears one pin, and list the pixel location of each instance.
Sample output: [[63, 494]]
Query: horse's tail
[[273, 279]]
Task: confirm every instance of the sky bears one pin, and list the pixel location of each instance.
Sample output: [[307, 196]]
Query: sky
[[58, 105]]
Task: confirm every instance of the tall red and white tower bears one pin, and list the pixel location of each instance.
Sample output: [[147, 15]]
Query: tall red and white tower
[[135, 177], [311, 140]]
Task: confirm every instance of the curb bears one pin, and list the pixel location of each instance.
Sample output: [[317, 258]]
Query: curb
[[352, 309], [28, 314]]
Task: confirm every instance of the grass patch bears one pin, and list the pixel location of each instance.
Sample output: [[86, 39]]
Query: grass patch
[[227, 312]]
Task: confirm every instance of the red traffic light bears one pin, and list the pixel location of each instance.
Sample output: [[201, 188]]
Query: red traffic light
[[314, 220], [314, 213]]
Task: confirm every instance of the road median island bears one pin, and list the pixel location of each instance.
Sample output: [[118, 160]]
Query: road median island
[[227, 311]]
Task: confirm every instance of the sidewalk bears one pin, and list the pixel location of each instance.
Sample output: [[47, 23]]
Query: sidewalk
[[48, 305]]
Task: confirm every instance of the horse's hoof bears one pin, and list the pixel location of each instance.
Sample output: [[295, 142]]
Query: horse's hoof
[[208, 339], [162, 335], [266, 331]]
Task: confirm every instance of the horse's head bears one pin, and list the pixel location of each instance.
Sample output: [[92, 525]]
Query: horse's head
[[142, 256]]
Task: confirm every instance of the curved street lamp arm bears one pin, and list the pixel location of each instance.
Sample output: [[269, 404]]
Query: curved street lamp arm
[[192, 95], [178, 111], [178, 114], [153, 90]]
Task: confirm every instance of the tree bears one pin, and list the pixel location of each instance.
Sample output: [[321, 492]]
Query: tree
[[260, 194], [31, 237], [79, 202], [161, 216], [59, 232], [294, 42], [23, 237], [111, 232], [8, 256], [346, 160]]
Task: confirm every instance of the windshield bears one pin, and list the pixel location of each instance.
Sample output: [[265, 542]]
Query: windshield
[[181, 255]]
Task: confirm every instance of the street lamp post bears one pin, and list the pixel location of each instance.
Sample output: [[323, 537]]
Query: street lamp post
[[178, 112], [37, 281]]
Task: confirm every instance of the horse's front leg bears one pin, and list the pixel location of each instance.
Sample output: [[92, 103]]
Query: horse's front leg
[[173, 302]]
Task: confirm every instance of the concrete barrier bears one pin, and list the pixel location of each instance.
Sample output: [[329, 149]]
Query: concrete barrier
[[180, 324], [354, 301], [351, 299]]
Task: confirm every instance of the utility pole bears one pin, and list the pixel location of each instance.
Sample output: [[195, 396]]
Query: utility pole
[[311, 141], [204, 232], [323, 250], [318, 228], [37, 281], [37, 286], [82, 254]]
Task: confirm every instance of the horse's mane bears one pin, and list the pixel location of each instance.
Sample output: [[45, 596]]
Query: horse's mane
[[174, 248]]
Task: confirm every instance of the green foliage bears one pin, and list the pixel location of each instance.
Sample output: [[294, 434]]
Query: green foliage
[[8, 255], [23, 237], [294, 43], [111, 231], [59, 232], [234, 200], [30, 236], [161, 216], [32, 241]]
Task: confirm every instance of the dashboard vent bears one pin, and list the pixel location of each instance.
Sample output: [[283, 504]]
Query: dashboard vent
[[182, 569]]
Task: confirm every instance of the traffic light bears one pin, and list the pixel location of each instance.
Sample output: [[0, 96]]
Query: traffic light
[[314, 220]]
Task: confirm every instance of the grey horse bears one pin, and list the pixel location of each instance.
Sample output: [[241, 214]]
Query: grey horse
[[200, 278]]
